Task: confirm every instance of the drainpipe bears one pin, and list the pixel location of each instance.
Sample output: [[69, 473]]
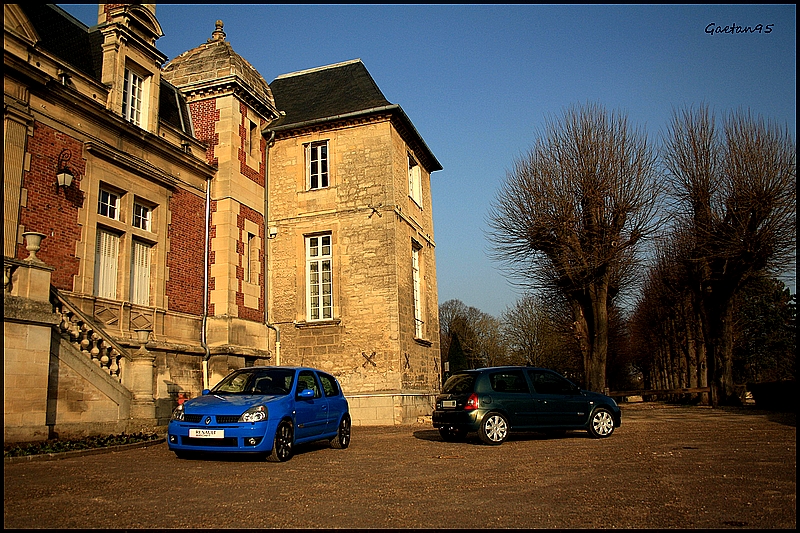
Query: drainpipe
[[267, 323], [203, 339]]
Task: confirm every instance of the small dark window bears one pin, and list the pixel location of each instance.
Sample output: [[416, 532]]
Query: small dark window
[[549, 383], [509, 381], [306, 381], [329, 385]]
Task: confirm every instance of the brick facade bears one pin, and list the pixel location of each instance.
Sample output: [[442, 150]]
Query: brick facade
[[184, 286], [49, 210], [261, 210]]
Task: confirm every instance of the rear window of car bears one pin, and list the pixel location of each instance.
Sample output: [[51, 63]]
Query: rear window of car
[[459, 384]]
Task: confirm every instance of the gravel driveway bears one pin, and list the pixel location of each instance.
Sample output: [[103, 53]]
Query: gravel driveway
[[666, 467]]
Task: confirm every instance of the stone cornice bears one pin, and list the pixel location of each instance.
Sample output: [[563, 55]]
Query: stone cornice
[[229, 85]]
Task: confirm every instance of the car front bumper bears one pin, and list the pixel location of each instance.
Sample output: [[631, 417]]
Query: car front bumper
[[247, 437]]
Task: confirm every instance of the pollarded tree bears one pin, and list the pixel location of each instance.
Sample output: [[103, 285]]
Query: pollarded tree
[[571, 214], [735, 191]]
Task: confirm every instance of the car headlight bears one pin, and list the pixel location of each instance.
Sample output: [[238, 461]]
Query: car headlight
[[177, 413], [257, 413]]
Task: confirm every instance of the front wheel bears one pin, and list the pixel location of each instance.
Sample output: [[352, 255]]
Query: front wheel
[[342, 438], [494, 429], [601, 424], [284, 440]]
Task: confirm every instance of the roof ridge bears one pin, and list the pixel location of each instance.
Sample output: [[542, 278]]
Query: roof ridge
[[317, 69]]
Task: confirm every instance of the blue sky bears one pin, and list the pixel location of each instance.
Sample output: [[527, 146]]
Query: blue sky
[[478, 82]]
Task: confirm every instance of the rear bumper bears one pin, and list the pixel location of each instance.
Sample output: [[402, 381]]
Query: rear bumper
[[457, 419]]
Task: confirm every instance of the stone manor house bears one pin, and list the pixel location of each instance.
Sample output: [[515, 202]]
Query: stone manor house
[[168, 221]]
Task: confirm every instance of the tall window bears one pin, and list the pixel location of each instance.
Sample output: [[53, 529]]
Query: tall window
[[105, 265], [141, 216], [133, 97], [418, 322], [414, 180], [140, 273], [108, 204], [317, 158], [254, 138], [319, 287], [250, 257]]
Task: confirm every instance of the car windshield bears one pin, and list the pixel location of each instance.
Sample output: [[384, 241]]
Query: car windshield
[[459, 384], [274, 381]]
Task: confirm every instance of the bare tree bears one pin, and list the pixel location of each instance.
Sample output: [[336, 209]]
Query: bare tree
[[478, 333], [571, 214], [735, 192], [537, 332]]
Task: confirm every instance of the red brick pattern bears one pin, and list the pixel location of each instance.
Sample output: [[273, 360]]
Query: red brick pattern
[[186, 248], [257, 175], [247, 213], [205, 116], [52, 210]]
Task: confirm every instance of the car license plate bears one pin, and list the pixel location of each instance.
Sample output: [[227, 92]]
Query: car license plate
[[207, 433], [449, 403]]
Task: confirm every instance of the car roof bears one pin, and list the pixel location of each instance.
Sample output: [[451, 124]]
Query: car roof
[[504, 367], [282, 367]]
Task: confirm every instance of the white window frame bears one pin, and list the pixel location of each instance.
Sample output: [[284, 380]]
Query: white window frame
[[108, 204], [419, 323], [134, 97], [250, 256], [142, 216], [318, 153], [106, 265], [414, 180], [141, 257], [319, 278]]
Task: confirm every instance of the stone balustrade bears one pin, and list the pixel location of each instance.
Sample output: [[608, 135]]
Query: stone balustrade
[[91, 341]]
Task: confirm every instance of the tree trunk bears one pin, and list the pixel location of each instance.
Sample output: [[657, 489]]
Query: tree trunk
[[591, 330]]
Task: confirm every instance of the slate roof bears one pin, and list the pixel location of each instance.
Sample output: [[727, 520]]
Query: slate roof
[[66, 37], [325, 92], [76, 44], [338, 91]]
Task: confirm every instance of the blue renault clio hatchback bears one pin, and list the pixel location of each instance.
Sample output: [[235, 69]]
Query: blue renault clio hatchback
[[262, 410]]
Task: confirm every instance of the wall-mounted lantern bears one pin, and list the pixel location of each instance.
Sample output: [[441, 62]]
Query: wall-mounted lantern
[[64, 174]]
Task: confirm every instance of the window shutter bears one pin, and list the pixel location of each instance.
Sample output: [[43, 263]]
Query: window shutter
[[140, 273], [106, 256]]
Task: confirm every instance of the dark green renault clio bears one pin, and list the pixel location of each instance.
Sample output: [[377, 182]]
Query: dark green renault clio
[[494, 401]]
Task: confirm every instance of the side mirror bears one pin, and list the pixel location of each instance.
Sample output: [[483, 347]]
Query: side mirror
[[205, 391], [306, 394]]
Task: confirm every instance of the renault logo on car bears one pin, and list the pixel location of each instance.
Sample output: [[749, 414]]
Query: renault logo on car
[[208, 420]]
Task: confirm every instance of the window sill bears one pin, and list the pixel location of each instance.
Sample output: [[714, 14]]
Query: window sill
[[317, 323], [423, 342]]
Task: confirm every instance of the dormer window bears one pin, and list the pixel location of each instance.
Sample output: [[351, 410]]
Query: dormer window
[[133, 98]]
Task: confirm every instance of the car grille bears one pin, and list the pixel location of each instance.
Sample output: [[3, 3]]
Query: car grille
[[227, 442], [221, 419]]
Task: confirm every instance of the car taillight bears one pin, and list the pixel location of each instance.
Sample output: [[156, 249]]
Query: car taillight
[[472, 402]]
